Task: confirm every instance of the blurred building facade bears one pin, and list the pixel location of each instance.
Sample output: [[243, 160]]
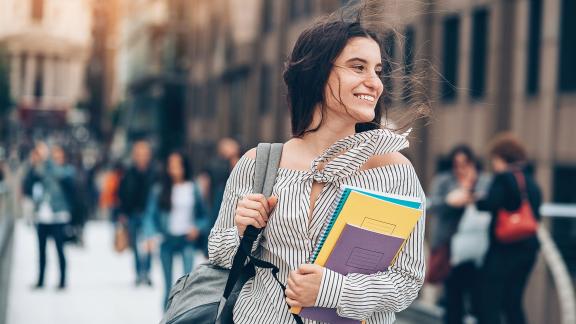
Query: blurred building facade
[[101, 74], [46, 56], [153, 58]]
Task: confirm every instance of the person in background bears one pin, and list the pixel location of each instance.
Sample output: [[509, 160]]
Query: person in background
[[133, 195], [108, 199], [448, 201], [178, 216], [507, 265], [216, 175], [50, 184]]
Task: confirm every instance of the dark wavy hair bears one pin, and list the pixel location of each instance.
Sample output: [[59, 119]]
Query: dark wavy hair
[[165, 200], [468, 153], [508, 147]]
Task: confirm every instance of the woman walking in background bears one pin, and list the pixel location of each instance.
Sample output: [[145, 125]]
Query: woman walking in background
[[508, 264], [50, 184], [177, 213], [448, 203]]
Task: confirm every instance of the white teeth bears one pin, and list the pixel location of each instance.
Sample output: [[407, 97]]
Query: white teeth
[[366, 97]]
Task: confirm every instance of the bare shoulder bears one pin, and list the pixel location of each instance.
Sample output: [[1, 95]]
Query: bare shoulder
[[251, 154], [386, 159]]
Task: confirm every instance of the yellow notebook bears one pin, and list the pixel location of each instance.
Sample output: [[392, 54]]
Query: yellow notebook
[[373, 214], [368, 212]]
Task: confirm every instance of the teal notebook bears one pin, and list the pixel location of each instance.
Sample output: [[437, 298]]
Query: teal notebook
[[395, 199]]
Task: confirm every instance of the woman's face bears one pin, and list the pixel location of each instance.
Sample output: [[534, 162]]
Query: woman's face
[[354, 86], [58, 155], [461, 164], [175, 168], [498, 164]]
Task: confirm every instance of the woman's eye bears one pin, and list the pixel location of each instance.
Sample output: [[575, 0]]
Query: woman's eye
[[379, 73], [359, 68]]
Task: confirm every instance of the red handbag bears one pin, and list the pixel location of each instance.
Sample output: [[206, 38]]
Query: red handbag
[[520, 224], [438, 264]]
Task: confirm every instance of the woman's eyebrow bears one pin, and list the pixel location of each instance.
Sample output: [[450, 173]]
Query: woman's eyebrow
[[359, 59]]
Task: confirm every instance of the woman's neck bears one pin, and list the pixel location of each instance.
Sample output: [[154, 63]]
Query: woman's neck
[[330, 131], [178, 181]]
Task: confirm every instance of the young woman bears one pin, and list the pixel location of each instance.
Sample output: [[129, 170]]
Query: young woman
[[178, 215], [507, 265], [50, 184], [335, 96], [449, 198]]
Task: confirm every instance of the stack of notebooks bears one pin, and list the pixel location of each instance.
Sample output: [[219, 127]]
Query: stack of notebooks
[[364, 234]]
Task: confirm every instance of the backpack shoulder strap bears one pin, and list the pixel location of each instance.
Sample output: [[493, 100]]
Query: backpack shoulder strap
[[267, 161]]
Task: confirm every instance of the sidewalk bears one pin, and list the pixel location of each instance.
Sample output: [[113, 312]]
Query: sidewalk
[[100, 283]]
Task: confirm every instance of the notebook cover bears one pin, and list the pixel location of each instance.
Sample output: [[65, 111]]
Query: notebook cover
[[357, 251]]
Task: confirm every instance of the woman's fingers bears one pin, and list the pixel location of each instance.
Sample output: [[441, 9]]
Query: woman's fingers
[[256, 205], [259, 198], [251, 215], [253, 210]]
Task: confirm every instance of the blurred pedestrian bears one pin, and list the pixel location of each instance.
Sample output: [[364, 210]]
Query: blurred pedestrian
[[218, 171], [508, 264], [50, 184], [449, 202], [178, 214], [108, 200], [133, 195]]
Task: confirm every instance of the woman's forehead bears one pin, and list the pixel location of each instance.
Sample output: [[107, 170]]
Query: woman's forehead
[[363, 48]]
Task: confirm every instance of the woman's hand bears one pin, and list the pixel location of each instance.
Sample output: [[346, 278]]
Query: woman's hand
[[303, 285], [193, 234], [459, 198], [253, 210]]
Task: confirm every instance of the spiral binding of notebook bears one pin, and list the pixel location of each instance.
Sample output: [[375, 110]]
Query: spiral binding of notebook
[[329, 223]]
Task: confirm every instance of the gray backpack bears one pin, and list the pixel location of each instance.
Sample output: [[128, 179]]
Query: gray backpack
[[208, 294]]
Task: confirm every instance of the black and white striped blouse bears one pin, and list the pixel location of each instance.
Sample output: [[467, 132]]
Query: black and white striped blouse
[[289, 236]]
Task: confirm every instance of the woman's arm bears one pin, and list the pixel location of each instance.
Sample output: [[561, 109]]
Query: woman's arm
[[224, 238], [359, 296], [496, 196]]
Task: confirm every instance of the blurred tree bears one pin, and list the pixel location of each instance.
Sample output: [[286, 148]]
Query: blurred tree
[[5, 101]]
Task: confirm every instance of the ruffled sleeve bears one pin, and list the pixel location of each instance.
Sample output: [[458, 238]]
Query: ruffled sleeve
[[224, 239]]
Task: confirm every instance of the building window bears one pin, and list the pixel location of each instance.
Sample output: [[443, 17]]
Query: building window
[[564, 229], [267, 16], [450, 57], [238, 84], [294, 9], [37, 10], [299, 9], [479, 53], [387, 66], [307, 7], [567, 66], [265, 89], [533, 63], [211, 101], [39, 79], [408, 62]]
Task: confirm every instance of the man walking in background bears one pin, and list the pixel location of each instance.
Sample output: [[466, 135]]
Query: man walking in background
[[133, 196]]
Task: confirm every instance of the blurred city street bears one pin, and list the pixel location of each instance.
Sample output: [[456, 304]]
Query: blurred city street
[[101, 287], [122, 120]]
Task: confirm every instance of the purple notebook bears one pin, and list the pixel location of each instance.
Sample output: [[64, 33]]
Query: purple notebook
[[357, 251]]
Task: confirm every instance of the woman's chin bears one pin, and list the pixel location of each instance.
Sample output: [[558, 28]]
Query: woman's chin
[[364, 118]]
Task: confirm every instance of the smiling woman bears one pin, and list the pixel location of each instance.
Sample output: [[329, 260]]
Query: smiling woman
[[335, 94]]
